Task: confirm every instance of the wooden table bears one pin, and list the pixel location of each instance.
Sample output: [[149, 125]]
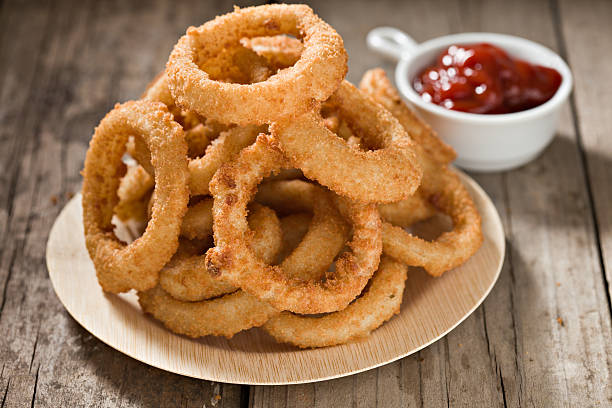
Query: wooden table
[[541, 339]]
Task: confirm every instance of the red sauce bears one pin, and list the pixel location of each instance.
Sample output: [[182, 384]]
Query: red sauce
[[482, 78]]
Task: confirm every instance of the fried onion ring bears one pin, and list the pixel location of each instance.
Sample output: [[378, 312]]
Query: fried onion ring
[[221, 150], [224, 316], [376, 84], [380, 301], [201, 170], [327, 231], [294, 228], [121, 267], [134, 191], [314, 77], [440, 187], [185, 277], [403, 213], [388, 174], [451, 249], [233, 261]]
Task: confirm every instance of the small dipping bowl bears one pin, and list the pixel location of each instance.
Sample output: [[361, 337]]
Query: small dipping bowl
[[484, 142]]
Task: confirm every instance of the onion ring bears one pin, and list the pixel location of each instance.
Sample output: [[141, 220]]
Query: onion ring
[[327, 231], [408, 211], [440, 187], [185, 277], [451, 249], [314, 77], [224, 316], [221, 150], [121, 267], [197, 222], [380, 301], [376, 84], [134, 191], [294, 227], [233, 261], [202, 318], [201, 170], [402, 213], [388, 174]]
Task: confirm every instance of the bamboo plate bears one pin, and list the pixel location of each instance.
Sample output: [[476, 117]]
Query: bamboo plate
[[432, 307]]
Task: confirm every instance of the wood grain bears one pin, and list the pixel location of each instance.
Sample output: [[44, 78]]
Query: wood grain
[[430, 309], [584, 30], [62, 66]]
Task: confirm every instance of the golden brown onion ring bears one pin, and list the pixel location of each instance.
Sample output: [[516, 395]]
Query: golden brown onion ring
[[202, 318], [380, 301], [221, 150], [294, 228], [376, 84], [388, 174], [314, 77], [327, 231], [121, 267], [451, 249], [185, 277], [197, 222], [402, 213], [233, 261], [440, 187], [134, 191], [224, 316], [201, 170]]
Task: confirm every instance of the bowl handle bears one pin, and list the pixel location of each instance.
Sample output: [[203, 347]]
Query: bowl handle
[[391, 42]]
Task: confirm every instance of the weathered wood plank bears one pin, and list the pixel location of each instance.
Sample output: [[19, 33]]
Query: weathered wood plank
[[586, 34]]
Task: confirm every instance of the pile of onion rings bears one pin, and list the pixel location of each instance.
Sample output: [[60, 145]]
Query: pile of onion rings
[[269, 191]]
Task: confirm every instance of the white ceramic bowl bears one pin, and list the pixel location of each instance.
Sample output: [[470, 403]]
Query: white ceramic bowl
[[483, 142]]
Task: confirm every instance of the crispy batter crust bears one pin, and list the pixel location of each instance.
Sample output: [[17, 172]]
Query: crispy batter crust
[[451, 249], [233, 261], [185, 277], [327, 231], [376, 84], [319, 70], [380, 301], [440, 189], [121, 267], [224, 316], [390, 173]]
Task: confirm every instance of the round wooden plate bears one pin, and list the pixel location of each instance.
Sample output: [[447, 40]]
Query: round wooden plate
[[432, 307]]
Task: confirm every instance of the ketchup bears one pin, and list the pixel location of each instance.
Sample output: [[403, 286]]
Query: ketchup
[[482, 78]]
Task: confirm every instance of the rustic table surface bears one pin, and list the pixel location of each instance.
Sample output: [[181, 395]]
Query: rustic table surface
[[543, 336]]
